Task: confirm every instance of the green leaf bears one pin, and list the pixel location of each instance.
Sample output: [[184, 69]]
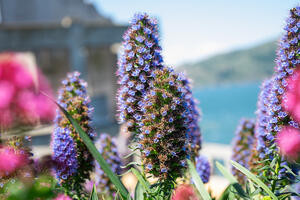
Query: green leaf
[[254, 179], [232, 180], [197, 181], [225, 194], [226, 173], [253, 192], [91, 147], [128, 197], [116, 197], [144, 183], [289, 170], [139, 192], [284, 196], [94, 195], [129, 164]]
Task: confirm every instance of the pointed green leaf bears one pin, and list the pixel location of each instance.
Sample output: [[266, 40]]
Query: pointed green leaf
[[289, 170], [225, 194], [128, 197], [254, 179], [226, 173], [232, 180], [144, 183], [139, 192], [197, 181], [117, 196], [94, 195], [253, 192]]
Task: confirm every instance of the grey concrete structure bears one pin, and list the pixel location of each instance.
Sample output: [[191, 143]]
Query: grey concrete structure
[[67, 35]]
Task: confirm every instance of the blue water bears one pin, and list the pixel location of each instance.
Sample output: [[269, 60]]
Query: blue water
[[222, 107]]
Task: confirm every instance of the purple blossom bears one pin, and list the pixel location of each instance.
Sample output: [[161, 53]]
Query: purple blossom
[[149, 166], [203, 168], [71, 168], [242, 145], [160, 121], [271, 116], [139, 43]]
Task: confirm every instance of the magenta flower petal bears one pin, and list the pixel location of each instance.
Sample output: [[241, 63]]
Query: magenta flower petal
[[10, 160], [7, 91], [288, 140]]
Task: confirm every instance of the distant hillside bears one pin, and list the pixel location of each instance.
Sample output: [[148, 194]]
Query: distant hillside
[[238, 66]]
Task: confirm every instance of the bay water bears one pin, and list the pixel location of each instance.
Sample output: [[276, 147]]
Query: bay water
[[222, 108]]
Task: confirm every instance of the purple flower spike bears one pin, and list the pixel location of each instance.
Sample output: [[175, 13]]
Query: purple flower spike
[[163, 138], [242, 145], [192, 118], [203, 168], [73, 162], [271, 117], [141, 56]]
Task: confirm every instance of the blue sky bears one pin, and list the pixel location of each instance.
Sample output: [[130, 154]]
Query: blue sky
[[192, 30]]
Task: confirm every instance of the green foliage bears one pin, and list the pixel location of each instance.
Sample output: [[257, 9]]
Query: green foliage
[[269, 173], [142, 181], [43, 187], [139, 192], [94, 195], [197, 181], [233, 181], [254, 179], [144, 190]]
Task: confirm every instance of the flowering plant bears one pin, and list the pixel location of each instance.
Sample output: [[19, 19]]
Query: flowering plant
[[158, 109]]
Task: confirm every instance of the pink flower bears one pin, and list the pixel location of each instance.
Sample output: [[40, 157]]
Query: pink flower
[[7, 91], [288, 140], [62, 197], [22, 78], [291, 99], [20, 99], [6, 118], [11, 160], [35, 106], [44, 107], [184, 192], [27, 106]]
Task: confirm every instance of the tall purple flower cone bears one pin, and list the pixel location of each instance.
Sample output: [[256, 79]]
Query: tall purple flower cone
[[162, 140], [140, 57], [73, 162], [242, 145], [262, 143], [203, 168], [286, 62], [264, 138], [193, 115], [157, 105]]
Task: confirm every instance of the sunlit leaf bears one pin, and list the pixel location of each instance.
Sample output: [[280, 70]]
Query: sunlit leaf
[[197, 181], [232, 180], [94, 195], [139, 192], [254, 179], [144, 183]]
